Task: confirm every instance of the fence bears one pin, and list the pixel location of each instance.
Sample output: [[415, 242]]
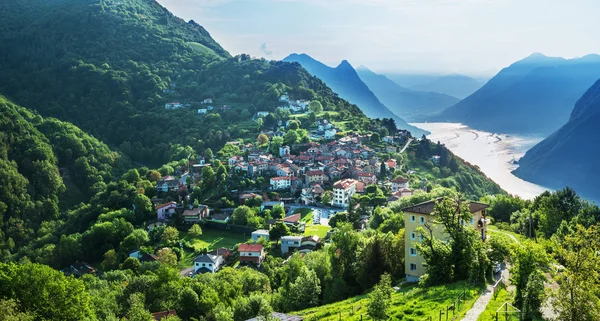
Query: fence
[[510, 313], [444, 315], [496, 288]]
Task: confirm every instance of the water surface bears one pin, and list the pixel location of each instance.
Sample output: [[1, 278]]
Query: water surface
[[493, 153]]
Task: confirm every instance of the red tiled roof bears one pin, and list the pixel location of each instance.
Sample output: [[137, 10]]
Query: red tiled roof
[[345, 183], [315, 173], [292, 219], [399, 180], [250, 248], [165, 205], [280, 178], [163, 314]]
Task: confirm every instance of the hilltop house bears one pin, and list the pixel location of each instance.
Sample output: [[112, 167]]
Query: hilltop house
[[421, 214], [262, 114], [290, 243], [196, 214], [251, 253], [399, 183], [260, 233], [282, 182], [165, 211], [211, 261], [343, 191]]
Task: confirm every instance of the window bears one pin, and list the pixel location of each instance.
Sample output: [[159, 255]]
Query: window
[[412, 235], [422, 220], [203, 265], [420, 238], [412, 218], [413, 252], [413, 267], [472, 221]]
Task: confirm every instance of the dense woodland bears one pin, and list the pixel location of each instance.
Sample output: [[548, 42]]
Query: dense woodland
[[71, 194]]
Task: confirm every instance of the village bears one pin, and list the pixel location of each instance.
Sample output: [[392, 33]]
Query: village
[[305, 183]]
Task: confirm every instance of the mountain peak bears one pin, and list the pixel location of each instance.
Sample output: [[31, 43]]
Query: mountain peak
[[345, 65]]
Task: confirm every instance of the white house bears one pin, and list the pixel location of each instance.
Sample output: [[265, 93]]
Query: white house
[[207, 101], [173, 105], [399, 183], [210, 108], [290, 243], [165, 211], [284, 98], [330, 133], [262, 113], [251, 253], [202, 111], [208, 263], [284, 150], [343, 191], [281, 182], [260, 233]]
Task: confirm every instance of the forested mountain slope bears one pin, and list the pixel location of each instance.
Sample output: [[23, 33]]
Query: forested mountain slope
[[110, 66], [42, 161], [569, 156], [532, 96]]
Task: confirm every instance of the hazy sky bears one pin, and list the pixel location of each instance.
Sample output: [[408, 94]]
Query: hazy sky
[[439, 36]]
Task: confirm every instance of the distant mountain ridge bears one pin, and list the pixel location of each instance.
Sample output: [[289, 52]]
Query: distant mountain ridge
[[531, 96], [458, 86], [345, 81], [409, 104], [570, 156]]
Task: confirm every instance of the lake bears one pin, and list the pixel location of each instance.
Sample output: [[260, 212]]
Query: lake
[[493, 153]]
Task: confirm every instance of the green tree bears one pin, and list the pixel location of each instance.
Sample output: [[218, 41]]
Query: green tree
[[132, 176], [195, 231], [278, 212], [167, 256], [293, 125], [379, 299], [305, 290], [291, 137], [528, 259], [375, 138], [277, 231], [276, 142], [327, 197], [208, 154], [10, 311], [137, 310], [578, 286], [166, 170], [170, 235], [315, 106]]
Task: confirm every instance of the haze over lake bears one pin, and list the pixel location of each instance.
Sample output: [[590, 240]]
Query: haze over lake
[[493, 153]]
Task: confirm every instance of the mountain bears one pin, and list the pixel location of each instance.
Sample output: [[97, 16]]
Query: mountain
[[531, 96], [344, 80], [46, 166], [110, 66], [409, 104], [569, 156], [458, 86]]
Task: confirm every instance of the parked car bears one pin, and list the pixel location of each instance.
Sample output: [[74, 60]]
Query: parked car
[[497, 267]]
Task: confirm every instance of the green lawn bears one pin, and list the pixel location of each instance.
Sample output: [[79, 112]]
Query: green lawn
[[318, 230], [211, 239], [409, 304], [307, 217]]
